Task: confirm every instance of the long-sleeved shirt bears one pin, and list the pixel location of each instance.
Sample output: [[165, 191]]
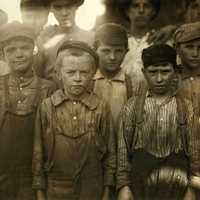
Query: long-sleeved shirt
[[67, 128], [189, 87], [158, 133]]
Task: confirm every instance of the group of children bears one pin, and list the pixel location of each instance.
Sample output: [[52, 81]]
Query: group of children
[[94, 131]]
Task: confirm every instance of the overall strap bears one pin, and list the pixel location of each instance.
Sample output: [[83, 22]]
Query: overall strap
[[129, 88], [182, 121], [50, 156]]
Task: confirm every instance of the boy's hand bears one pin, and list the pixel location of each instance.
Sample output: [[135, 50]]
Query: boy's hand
[[195, 182], [125, 194], [163, 35], [40, 195], [106, 194]]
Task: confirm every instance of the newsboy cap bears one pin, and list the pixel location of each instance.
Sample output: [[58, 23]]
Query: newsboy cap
[[187, 32], [72, 44], [112, 34], [16, 29], [158, 54], [70, 2]]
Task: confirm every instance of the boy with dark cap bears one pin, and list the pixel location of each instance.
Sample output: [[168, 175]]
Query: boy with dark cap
[[110, 81], [187, 40], [74, 150], [20, 93], [152, 137], [51, 38]]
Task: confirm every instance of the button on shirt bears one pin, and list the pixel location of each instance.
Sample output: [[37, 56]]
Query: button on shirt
[[157, 135], [75, 124]]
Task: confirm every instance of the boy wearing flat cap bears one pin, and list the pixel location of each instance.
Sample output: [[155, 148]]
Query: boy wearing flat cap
[[187, 40], [153, 130], [53, 36], [110, 81], [20, 93], [74, 149]]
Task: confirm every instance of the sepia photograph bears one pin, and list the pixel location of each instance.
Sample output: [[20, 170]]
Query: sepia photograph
[[99, 99]]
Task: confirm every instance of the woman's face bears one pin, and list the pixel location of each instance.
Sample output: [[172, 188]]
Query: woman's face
[[140, 12]]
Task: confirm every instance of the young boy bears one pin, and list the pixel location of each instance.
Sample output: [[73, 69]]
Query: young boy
[[153, 132], [187, 40], [74, 150], [20, 93], [110, 81]]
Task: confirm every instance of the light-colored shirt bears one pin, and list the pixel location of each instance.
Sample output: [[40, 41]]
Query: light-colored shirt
[[113, 91]]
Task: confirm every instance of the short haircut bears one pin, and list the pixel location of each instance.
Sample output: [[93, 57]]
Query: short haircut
[[111, 34]]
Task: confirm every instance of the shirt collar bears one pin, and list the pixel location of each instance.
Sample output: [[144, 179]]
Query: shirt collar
[[172, 94], [90, 99], [120, 76], [186, 74], [15, 81]]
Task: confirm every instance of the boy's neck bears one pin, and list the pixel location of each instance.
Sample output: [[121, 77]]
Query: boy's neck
[[109, 74], [193, 71], [27, 74]]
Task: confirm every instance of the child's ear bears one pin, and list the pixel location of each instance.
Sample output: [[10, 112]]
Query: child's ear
[[143, 71]]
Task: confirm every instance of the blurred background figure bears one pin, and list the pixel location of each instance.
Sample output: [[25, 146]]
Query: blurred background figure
[[35, 13], [4, 69], [3, 17]]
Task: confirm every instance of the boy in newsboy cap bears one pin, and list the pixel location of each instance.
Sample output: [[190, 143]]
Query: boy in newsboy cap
[[74, 149], [20, 93], [153, 129], [187, 40]]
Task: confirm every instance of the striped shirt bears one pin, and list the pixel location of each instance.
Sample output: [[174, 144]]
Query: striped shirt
[[157, 133]]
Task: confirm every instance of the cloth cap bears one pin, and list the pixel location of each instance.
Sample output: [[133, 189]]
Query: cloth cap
[[157, 54], [16, 29], [78, 45], [111, 33], [69, 2], [187, 32]]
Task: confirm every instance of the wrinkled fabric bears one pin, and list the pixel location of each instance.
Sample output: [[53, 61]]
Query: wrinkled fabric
[[189, 87], [79, 135], [144, 150], [18, 101]]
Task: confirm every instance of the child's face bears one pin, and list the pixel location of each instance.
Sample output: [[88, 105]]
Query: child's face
[[111, 56], [76, 74], [140, 12], [64, 12], [18, 53], [193, 12], [190, 53], [159, 77]]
